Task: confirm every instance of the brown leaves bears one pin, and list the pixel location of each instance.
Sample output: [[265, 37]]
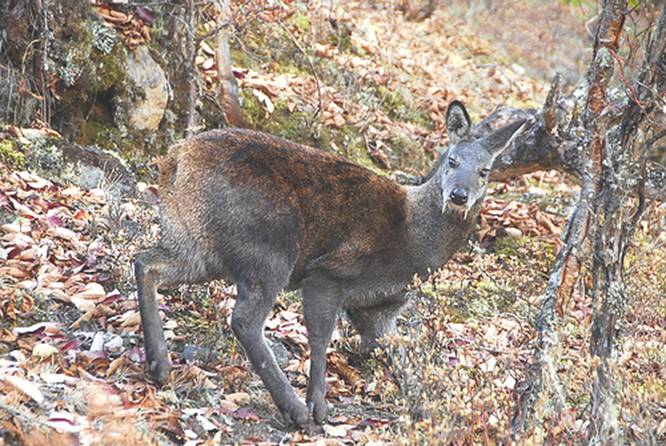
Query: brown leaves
[[517, 219], [337, 364], [133, 28]]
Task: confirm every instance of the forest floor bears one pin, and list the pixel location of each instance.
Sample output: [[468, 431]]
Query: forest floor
[[71, 357]]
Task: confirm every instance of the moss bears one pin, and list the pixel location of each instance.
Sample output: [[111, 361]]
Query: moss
[[508, 246], [44, 157], [111, 68], [521, 102], [542, 254], [88, 102], [293, 126], [242, 59], [252, 109], [341, 38], [398, 104], [95, 130], [100, 57], [272, 46], [10, 155], [301, 21], [302, 127], [392, 101], [464, 302], [408, 152]]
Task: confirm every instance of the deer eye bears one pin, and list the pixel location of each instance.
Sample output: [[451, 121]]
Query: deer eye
[[484, 173], [453, 162]]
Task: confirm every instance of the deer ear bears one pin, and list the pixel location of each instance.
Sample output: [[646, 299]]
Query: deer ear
[[457, 122], [502, 138]]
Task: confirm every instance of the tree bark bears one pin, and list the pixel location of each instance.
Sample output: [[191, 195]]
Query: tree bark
[[616, 222], [586, 158], [193, 87], [228, 87]]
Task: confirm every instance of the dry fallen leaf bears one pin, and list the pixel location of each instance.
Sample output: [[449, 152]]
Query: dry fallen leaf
[[24, 386], [337, 431], [239, 398], [44, 350], [264, 100]]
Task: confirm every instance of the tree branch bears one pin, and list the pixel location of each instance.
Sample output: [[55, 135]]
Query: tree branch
[[568, 265], [228, 87]]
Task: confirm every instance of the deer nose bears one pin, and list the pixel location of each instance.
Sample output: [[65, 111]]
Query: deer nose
[[459, 196]]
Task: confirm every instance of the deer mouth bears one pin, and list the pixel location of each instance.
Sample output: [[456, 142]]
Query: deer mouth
[[457, 208]]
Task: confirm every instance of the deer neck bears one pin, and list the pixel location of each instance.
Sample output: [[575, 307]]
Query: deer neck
[[434, 236]]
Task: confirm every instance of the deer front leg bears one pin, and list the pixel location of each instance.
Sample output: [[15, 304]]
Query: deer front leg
[[247, 322], [147, 272], [153, 269], [374, 322], [321, 301]]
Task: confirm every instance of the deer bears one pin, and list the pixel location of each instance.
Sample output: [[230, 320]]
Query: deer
[[270, 215]]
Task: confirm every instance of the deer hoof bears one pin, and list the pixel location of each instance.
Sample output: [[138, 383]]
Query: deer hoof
[[296, 414], [318, 409], [159, 370]]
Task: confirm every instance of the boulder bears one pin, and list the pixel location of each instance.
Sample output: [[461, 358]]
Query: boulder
[[149, 91]]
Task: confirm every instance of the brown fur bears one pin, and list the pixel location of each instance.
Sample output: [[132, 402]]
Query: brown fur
[[343, 211]]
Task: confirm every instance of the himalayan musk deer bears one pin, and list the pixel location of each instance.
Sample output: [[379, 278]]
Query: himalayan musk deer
[[268, 214]]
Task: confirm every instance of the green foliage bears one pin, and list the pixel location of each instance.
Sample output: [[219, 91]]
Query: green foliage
[[10, 155], [398, 104], [577, 3], [301, 21], [508, 246], [270, 45], [302, 127], [341, 38]]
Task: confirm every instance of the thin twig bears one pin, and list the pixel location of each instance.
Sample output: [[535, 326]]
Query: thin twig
[[631, 92], [213, 32], [640, 208], [312, 66]]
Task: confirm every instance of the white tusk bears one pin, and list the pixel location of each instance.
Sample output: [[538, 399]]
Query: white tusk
[[444, 204], [466, 212]]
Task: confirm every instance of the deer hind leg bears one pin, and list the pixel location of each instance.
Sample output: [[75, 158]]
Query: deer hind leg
[[253, 304], [375, 321], [154, 269]]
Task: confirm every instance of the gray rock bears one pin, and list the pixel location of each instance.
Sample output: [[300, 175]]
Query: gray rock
[[100, 168], [90, 177], [201, 353], [279, 437], [149, 91]]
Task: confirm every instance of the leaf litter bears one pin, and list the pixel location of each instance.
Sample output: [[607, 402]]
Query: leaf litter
[[71, 356]]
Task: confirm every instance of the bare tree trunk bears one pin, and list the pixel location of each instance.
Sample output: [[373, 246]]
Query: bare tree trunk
[[616, 222], [228, 87], [587, 166], [193, 87], [42, 65]]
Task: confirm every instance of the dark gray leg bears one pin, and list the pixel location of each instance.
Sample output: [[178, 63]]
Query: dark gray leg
[[376, 321], [153, 269], [321, 301], [247, 321]]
